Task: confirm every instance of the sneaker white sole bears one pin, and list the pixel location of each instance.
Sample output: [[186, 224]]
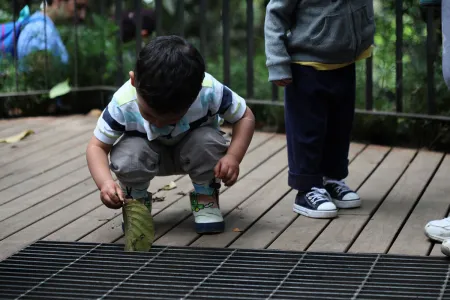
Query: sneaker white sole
[[434, 237], [445, 250], [347, 203], [316, 214]]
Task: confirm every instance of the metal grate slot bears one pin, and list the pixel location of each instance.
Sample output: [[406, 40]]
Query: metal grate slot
[[60, 270]]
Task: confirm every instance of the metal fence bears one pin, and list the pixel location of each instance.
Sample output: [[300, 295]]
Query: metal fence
[[227, 11]]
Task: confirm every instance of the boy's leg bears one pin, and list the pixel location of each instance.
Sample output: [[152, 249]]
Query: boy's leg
[[306, 114], [337, 143], [198, 154], [136, 161]]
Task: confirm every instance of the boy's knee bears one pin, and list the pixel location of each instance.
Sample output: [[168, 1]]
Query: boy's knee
[[133, 160], [201, 152]]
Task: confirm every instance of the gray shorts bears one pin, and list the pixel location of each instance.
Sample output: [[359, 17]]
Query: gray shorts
[[136, 161]]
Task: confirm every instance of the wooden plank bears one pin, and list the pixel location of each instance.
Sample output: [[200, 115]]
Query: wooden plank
[[261, 234], [433, 205], [380, 231], [360, 168], [248, 212], [41, 166], [37, 182], [101, 216], [299, 235], [46, 226], [45, 208], [13, 207], [436, 250], [27, 163], [381, 181], [107, 229], [51, 138], [183, 234]]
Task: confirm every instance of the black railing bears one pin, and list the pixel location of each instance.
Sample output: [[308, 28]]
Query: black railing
[[226, 17]]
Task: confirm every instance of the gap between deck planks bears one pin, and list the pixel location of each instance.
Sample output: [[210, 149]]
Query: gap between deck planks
[[176, 207], [262, 200], [105, 217]]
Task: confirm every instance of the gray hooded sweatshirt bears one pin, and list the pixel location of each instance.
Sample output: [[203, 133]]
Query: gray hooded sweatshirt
[[324, 31]]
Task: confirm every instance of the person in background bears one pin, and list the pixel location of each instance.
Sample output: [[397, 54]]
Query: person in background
[[129, 24], [439, 230], [311, 49], [42, 34]]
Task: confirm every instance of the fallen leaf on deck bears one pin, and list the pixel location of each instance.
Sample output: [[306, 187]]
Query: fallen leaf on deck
[[169, 186], [158, 199], [237, 230], [60, 89], [138, 225], [16, 138], [182, 193]]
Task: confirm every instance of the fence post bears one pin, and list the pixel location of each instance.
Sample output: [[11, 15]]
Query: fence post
[[226, 41], [138, 20], [159, 14], [431, 50], [250, 49], [399, 55], [119, 58]]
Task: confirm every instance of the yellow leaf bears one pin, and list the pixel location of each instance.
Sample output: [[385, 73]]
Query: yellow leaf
[[236, 229], [60, 89], [169, 186], [16, 138]]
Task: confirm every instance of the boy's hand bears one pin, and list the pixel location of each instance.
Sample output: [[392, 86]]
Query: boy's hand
[[111, 194], [227, 169], [283, 82]]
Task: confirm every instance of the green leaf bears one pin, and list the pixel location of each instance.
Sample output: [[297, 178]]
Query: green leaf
[[138, 226], [60, 89]]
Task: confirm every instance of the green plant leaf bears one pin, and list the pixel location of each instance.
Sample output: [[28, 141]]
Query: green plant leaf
[[138, 226], [60, 89]]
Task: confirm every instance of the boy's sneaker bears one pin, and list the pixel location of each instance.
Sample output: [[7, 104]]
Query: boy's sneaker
[[147, 201], [207, 214], [438, 230], [341, 194], [315, 203]]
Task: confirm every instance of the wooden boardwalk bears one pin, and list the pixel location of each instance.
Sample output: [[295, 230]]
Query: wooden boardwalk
[[47, 193]]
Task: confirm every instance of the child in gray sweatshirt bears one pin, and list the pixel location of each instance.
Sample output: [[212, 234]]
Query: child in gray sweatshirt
[[311, 49]]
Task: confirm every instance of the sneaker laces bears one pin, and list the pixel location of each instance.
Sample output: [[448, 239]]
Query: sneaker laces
[[317, 195], [341, 187]]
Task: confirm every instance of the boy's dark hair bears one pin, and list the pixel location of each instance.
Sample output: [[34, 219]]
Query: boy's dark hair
[[169, 73]]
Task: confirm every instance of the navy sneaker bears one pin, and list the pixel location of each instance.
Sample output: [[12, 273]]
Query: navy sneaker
[[341, 194], [315, 203]]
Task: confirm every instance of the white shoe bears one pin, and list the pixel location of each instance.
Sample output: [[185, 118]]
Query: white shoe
[[438, 230], [445, 247]]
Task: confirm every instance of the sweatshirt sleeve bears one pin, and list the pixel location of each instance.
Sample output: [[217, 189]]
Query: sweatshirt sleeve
[[279, 14]]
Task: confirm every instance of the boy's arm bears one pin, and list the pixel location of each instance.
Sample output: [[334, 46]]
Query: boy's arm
[[242, 135], [110, 126], [279, 15]]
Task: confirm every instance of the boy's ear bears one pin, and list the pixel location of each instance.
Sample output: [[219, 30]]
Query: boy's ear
[[132, 78]]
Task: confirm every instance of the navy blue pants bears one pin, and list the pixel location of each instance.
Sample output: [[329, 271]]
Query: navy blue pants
[[319, 110]]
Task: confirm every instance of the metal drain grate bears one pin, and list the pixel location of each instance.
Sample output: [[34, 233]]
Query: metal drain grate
[[56, 270]]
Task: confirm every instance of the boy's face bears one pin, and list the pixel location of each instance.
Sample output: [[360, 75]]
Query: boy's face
[[153, 117]]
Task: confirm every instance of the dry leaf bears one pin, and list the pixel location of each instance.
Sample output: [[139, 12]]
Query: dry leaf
[[169, 186], [158, 199], [138, 225], [16, 138], [236, 230]]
